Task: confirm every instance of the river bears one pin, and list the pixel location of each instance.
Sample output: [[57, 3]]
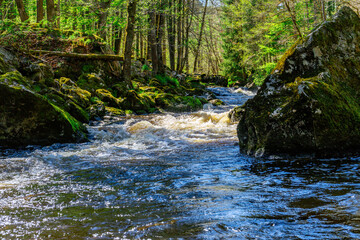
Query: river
[[174, 176]]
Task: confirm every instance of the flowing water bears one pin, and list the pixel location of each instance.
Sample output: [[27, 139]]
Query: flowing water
[[174, 176]]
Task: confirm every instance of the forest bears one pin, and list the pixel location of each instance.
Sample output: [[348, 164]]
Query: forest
[[239, 39]]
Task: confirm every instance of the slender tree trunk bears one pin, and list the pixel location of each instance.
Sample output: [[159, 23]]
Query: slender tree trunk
[[58, 13], [129, 40], [293, 18], [50, 11], [323, 10], [159, 36], [179, 35], [141, 46], [200, 36], [164, 51], [22, 12], [118, 35], [152, 42], [138, 44], [103, 14], [186, 40], [171, 36], [40, 10]]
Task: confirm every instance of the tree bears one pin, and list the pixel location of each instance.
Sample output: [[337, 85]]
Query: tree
[[22, 12], [131, 9], [50, 11], [200, 36], [40, 10]]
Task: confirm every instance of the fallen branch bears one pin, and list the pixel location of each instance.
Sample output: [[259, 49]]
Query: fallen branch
[[106, 57]]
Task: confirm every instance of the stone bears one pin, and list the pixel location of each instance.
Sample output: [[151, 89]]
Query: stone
[[29, 119], [310, 103]]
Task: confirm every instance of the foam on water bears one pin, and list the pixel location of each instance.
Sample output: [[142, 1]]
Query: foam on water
[[174, 176]]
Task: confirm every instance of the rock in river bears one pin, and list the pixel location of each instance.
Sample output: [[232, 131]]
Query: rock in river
[[310, 103], [27, 118]]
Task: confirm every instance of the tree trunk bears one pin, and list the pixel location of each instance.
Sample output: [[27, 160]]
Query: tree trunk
[[105, 57], [171, 37], [200, 36], [141, 46], [137, 44], [179, 35], [50, 11], [164, 51], [185, 60], [22, 12], [323, 10], [293, 18], [152, 42], [103, 14], [58, 13], [118, 37], [129, 40], [159, 36]]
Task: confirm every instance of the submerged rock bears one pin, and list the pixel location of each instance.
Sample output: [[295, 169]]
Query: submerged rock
[[29, 119], [310, 103]]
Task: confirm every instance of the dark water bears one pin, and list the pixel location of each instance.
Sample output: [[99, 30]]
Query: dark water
[[174, 176]]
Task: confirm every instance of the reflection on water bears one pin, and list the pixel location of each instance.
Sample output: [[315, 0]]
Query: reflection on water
[[174, 176]]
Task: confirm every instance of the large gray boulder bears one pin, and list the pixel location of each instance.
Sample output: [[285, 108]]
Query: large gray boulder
[[310, 103], [27, 118]]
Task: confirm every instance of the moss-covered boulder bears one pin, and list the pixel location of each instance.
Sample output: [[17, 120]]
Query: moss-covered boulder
[[68, 104], [90, 82], [310, 103], [107, 97], [29, 119], [68, 87]]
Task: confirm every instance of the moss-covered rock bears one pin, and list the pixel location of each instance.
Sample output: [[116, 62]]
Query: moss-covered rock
[[119, 89], [96, 111], [28, 118], [107, 97], [111, 111], [38, 73], [135, 102], [310, 103], [68, 87], [90, 82], [216, 102], [14, 78], [68, 104]]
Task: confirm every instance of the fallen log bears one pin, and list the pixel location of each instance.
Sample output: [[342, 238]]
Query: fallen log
[[91, 56]]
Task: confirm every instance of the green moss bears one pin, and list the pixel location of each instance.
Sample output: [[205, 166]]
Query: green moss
[[77, 127], [129, 112], [90, 82], [281, 63], [167, 80], [107, 97], [95, 100], [114, 111], [14, 78]]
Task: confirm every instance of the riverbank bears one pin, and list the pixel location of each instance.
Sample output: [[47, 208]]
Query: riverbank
[[82, 83]]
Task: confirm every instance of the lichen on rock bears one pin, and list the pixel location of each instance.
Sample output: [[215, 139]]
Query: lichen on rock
[[310, 103]]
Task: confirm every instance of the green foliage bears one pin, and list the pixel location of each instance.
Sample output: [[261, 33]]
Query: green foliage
[[258, 32], [145, 68], [167, 80]]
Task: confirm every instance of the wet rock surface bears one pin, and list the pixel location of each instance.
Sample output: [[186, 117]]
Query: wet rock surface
[[310, 103], [29, 119]]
